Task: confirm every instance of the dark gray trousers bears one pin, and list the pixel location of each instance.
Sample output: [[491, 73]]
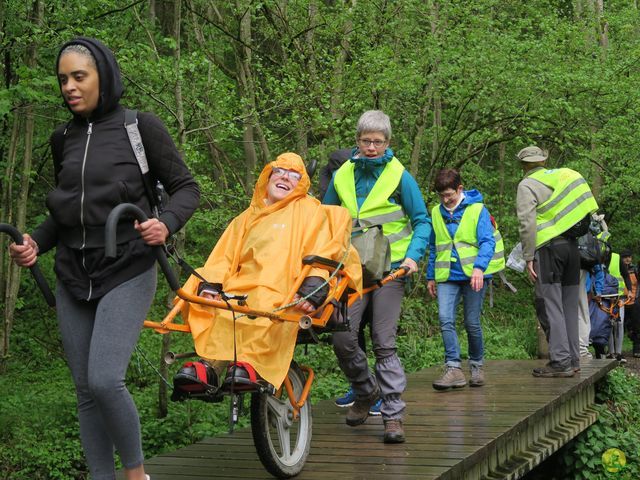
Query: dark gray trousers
[[385, 306], [557, 292], [99, 337]]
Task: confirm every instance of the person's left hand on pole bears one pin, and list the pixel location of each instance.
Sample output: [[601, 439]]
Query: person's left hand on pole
[[411, 264], [153, 231]]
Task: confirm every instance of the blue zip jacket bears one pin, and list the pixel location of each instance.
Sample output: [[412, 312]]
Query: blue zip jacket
[[484, 232], [366, 173]]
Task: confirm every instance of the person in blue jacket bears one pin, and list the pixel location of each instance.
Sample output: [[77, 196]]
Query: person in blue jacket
[[449, 253], [377, 190]]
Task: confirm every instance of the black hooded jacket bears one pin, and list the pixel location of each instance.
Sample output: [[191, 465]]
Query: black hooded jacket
[[95, 170]]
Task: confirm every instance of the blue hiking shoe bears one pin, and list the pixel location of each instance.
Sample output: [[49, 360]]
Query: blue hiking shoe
[[375, 410], [347, 399]]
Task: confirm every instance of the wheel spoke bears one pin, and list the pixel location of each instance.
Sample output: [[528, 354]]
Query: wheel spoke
[[278, 408], [284, 436]]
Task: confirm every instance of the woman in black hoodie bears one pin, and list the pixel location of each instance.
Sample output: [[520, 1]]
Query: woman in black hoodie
[[102, 303]]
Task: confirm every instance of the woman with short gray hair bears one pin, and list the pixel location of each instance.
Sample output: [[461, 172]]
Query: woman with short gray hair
[[379, 192]]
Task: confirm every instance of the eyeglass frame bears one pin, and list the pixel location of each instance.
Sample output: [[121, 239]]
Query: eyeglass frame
[[279, 172], [363, 142]]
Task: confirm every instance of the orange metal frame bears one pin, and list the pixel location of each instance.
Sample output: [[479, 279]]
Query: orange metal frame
[[319, 318]]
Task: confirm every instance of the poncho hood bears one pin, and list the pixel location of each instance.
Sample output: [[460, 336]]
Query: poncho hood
[[288, 161]]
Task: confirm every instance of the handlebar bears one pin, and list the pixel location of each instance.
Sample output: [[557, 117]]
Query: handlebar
[[15, 234], [110, 240]]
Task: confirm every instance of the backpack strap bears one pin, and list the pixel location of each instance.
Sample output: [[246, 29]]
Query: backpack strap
[[135, 139]]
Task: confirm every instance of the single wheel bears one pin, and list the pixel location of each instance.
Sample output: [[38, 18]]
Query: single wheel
[[282, 441]]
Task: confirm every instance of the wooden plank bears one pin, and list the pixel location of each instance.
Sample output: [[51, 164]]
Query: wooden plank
[[501, 430]]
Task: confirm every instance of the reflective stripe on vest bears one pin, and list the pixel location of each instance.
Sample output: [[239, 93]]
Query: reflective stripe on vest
[[614, 271], [377, 209], [569, 203], [465, 242]]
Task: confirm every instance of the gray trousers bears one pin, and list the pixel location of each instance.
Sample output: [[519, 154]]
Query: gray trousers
[[385, 306], [584, 320], [617, 332], [557, 265], [99, 337]]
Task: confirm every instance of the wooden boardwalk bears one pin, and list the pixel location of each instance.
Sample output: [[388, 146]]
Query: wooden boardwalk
[[501, 430]]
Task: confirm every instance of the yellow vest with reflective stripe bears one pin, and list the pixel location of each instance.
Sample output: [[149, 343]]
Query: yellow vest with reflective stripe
[[377, 209], [614, 270], [465, 242], [569, 203]]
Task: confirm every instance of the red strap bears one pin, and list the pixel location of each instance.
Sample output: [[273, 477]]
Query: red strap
[[201, 370], [253, 376]]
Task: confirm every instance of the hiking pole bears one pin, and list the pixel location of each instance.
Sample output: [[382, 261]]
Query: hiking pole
[[17, 237]]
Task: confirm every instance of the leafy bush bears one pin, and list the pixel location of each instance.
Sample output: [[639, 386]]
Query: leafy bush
[[617, 426]]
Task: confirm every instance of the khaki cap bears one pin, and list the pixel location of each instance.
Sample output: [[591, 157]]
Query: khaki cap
[[532, 154]]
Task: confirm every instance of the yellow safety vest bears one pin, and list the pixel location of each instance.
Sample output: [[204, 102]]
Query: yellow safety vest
[[614, 270], [569, 203], [377, 209], [465, 242]]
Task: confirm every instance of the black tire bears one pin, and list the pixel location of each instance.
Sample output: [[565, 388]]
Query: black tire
[[282, 442]]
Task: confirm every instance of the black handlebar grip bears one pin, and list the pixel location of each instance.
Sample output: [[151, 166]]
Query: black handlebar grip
[[35, 270], [110, 244]]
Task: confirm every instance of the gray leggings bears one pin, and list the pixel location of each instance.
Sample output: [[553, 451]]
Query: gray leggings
[[99, 337]]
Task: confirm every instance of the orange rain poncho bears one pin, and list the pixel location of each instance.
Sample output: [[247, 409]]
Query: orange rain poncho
[[260, 255]]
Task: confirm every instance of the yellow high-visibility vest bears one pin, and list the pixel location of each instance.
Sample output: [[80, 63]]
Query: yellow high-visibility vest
[[377, 209], [569, 203], [465, 242]]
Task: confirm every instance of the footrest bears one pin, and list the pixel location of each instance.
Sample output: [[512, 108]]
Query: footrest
[[242, 378], [196, 380]]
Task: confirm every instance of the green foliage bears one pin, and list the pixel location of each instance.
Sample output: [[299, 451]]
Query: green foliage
[[38, 428], [618, 426], [466, 84]]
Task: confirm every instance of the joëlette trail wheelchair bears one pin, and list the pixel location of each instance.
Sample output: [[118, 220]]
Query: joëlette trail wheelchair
[[281, 419]]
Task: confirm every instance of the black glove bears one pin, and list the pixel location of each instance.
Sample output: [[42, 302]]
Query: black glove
[[212, 288], [309, 285]]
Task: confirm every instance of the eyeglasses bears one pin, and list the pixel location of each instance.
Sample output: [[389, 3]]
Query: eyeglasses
[[365, 142], [290, 174]]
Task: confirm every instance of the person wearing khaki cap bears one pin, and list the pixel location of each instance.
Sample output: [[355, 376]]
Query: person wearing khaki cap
[[554, 207]]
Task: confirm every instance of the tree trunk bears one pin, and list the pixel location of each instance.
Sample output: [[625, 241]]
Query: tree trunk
[[13, 277], [8, 269], [243, 61], [337, 77], [602, 27], [501, 169], [437, 102], [163, 408], [421, 124]]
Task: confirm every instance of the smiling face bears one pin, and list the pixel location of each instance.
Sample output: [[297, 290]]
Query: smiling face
[[79, 83], [281, 183], [450, 197]]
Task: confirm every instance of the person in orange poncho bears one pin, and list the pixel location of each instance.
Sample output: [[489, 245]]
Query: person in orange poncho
[[260, 255]]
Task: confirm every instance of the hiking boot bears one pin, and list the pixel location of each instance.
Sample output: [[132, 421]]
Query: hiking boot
[[393, 431], [346, 400], [621, 359], [452, 378], [550, 372], [359, 411], [477, 376]]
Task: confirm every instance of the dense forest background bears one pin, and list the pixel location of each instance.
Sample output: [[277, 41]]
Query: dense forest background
[[466, 84]]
